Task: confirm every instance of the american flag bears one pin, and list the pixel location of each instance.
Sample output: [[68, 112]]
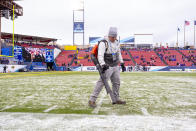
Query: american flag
[[187, 23]]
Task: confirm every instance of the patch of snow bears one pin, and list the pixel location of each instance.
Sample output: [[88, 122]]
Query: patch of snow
[[69, 122], [96, 110]]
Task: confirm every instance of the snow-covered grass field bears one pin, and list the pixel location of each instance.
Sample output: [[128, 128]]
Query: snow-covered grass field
[[59, 101]]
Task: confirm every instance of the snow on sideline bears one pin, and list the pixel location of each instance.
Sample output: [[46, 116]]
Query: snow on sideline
[[96, 110], [70, 122]]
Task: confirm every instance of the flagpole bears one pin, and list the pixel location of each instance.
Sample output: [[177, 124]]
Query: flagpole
[[184, 34], [194, 34], [177, 38]]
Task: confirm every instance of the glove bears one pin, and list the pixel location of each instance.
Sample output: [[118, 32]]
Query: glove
[[104, 68], [123, 67]]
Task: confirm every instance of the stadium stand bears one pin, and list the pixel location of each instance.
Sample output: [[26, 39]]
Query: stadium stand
[[131, 57], [127, 58], [146, 57], [4, 60], [143, 57], [83, 58], [190, 55], [34, 45], [65, 57], [173, 57], [37, 53]]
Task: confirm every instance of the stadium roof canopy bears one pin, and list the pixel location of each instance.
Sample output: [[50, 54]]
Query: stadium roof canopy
[[27, 38], [128, 40], [94, 40]]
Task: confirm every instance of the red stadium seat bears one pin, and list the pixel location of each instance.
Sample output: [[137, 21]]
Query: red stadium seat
[[146, 58]]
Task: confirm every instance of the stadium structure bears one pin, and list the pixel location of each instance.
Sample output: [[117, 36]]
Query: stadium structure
[[53, 91], [9, 10], [33, 53]]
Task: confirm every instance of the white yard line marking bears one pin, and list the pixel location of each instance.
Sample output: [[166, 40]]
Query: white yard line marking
[[145, 112], [7, 107], [96, 110], [51, 108]]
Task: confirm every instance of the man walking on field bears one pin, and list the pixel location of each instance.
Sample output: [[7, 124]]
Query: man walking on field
[[109, 56]]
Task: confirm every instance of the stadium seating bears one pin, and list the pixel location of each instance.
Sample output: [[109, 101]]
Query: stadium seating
[[143, 57], [34, 45], [127, 59], [190, 55], [146, 58], [174, 58], [65, 57], [83, 58]]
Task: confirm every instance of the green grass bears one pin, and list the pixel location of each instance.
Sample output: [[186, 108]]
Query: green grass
[[159, 93]]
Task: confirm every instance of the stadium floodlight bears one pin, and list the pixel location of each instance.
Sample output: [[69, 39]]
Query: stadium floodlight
[[6, 14], [78, 4]]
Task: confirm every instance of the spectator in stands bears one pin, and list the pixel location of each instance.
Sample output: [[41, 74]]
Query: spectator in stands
[[4, 68], [75, 62], [144, 68], [64, 69], [130, 68], [68, 67], [81, 67], [4, 61]]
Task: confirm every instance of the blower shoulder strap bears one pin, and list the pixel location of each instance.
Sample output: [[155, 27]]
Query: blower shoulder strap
[[106, 44]]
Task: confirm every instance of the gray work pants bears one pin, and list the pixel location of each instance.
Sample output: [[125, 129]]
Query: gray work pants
[[113, 74]]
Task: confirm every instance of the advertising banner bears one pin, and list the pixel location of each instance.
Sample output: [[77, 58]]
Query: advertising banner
[[12, 68], [49, 55], [79, 27], [18, 52], [70, 47]]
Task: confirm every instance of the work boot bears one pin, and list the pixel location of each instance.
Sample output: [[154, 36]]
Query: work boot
[[92, 104], [120, 102]]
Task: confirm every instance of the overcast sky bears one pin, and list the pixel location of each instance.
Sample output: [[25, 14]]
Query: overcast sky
[[53, 18]]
